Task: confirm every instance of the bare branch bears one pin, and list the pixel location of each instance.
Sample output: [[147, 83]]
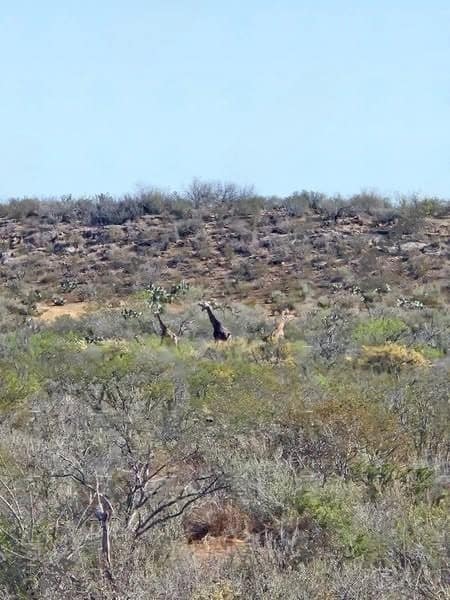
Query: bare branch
[[13, 512], [184, 326], [16, 512], [151, 521]]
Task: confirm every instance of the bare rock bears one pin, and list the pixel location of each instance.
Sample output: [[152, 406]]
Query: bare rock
[[412, 246]]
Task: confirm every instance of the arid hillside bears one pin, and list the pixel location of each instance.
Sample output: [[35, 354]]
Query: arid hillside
[[215, 398], [291, 252]]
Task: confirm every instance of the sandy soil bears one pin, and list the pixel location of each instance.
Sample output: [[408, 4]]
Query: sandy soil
[[71, 309]]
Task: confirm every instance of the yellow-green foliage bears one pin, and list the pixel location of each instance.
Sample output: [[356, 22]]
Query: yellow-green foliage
[[16, 386], [333, 508], [159, 389], [47, 354], [209, 379], [217, 591], [424, 526], [416, 481], [240, 390], [5, 540], [363, 426], [378, 331], [357, 427], [391, 357], [279, 352], [116, 358], [103, 361], [429, 352], [48, 344]]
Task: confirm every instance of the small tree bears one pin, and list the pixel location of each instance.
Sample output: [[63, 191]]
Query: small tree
[[158, 297]]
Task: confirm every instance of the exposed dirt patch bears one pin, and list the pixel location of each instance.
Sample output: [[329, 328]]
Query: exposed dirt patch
[[71, 309], [211, 547]]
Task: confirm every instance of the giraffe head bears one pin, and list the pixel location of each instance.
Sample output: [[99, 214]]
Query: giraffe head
[[204, 305], [286, 315]]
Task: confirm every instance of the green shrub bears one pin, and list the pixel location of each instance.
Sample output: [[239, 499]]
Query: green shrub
[[391, 357], [16, 386], [429, 352], [378, 477], [217, 591], [333, 472], [333, 508], [420, 536], [379, 331]]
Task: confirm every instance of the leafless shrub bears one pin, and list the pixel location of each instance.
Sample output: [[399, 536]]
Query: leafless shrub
[[188, 228]]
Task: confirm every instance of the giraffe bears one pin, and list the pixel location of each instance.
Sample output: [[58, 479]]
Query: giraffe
[[220, 333], [166, 333], [277, 333]]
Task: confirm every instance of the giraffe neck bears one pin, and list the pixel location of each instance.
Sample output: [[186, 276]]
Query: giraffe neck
[[161, 324], [279, 329], [214, 321]]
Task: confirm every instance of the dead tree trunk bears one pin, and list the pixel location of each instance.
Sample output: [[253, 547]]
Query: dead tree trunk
[[103, 512]]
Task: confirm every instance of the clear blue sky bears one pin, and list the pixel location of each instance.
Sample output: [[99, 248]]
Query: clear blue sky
[[330, 95]]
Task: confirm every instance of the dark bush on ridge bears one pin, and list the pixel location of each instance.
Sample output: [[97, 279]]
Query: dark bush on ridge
[[225, 198]]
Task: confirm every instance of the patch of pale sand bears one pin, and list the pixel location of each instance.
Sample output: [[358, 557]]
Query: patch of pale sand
[[71, 309], [209, 547]]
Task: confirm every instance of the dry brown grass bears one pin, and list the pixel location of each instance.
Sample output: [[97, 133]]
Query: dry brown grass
[[283, 250], [222, 520], [210, 548]]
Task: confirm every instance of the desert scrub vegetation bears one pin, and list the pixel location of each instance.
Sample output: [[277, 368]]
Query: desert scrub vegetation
[[199, 196], [230, 240], [314, 466], [391, 357], [379, 330]]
